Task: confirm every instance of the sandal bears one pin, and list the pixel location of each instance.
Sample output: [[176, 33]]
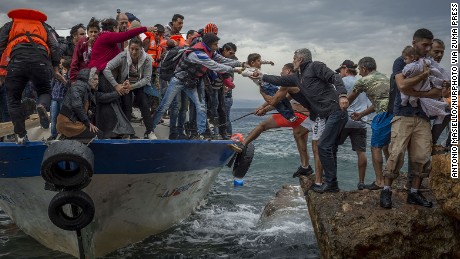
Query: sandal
[[373, 187]]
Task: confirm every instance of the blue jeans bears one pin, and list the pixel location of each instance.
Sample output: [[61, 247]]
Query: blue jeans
[[179, 108], [163, 87], [228, 106], [54, 112], [175, 86], [328, 144], [4, 115]]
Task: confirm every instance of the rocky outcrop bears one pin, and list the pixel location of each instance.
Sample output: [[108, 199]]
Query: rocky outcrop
[[284, 198], [352, 225], [445, 188]]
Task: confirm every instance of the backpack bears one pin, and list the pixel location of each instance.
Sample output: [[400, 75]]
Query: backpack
[[169, 63]]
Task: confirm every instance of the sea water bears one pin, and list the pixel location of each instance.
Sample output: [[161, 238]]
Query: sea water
[[228, 224]]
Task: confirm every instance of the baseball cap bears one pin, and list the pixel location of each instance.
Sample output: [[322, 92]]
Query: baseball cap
[[346, 64]]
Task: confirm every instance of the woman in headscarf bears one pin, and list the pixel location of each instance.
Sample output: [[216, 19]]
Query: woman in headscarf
[[74, 119]]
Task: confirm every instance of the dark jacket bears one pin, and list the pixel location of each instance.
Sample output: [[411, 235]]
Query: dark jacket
[[80, 93], [316, 82], [26, 49], [67, 47]]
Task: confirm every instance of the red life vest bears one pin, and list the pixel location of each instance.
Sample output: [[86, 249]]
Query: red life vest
[[194, 71]]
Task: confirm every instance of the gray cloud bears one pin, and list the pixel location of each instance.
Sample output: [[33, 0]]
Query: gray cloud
[[333, 30]]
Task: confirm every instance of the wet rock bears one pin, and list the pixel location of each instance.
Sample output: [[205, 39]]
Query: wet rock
[[284, 198], [445, 188], [352, 225]]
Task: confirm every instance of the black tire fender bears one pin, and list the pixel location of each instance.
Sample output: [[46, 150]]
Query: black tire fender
[[71, 210], [243, 161], [67, 163]]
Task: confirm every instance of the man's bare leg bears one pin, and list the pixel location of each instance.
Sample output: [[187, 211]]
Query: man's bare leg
[[377, 162], [318, 166], [301, 136]]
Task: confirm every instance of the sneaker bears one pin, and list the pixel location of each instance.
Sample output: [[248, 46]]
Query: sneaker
[[50, 138], [418, 199], [303, 171], [21, 141], [325, 188], [43, 115], [173, 136], [361, 186], [150, 135], [224, 136], [385, 199]]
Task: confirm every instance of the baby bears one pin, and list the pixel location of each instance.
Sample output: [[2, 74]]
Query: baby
[[284, 106], [414, 66]]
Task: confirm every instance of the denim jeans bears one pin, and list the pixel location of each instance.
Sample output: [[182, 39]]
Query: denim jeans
[[179, 108], [228, 106], [54, 112], [163, 87], [4, 115], [328, 144], [175, 86], [219, 110]]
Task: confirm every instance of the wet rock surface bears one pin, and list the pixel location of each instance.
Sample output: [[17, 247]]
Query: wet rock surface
[[284, 198], [352, 225]]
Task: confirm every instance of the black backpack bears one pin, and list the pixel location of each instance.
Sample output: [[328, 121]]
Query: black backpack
[[169, 63]]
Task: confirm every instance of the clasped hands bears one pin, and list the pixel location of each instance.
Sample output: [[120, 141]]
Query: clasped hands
[[123, 89]]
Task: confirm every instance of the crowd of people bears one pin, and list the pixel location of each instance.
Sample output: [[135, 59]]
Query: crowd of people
[[92, 81]]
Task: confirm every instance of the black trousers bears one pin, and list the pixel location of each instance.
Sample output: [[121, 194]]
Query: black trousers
[[141, 100], [20, 71]]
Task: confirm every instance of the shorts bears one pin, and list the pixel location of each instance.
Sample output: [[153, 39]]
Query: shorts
[[283, 122], [357, 137], [381, 129], [316, 127]]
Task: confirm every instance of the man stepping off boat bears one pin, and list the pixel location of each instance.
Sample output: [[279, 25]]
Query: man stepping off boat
[[28, 50]]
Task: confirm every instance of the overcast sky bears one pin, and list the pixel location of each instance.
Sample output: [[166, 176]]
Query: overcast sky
[[332, 30]]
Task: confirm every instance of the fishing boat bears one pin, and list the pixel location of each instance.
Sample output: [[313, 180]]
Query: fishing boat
[[135, 189]]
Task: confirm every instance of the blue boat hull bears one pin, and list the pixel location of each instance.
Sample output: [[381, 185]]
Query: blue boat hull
[[140, 188]]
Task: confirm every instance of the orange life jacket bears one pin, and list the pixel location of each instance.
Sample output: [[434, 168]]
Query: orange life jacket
[[27, 24], [179, 39], [155, 49]]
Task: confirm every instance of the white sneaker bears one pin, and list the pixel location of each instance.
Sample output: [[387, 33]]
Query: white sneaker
[[150, 135], [22, 140]]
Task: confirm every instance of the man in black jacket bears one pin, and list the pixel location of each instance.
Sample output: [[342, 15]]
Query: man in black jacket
[[327, 98]]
